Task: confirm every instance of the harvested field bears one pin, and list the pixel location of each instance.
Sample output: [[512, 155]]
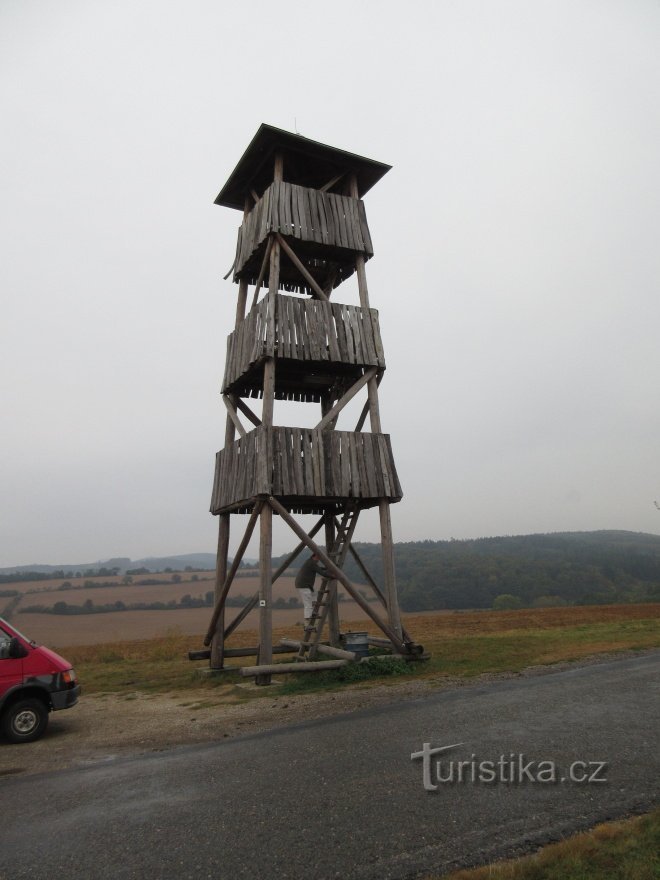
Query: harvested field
[[58, 630]]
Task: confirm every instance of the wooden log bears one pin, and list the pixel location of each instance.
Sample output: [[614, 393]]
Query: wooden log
[[233, 415], [262, 271], [309, 278], [328, 650], [363, 568], [250, 651], [350, 394], [337, 573], [331, 183], [388, 567], [268, 669], [216, 654], [245, 409], [265, 592], [219, 605]]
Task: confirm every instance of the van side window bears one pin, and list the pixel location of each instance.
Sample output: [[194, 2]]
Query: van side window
[[4, 646]]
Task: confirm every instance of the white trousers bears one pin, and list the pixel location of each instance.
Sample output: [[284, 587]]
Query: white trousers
[[307, 598]]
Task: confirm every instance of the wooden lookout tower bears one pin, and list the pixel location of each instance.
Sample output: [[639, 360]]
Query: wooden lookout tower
[[304, 232]]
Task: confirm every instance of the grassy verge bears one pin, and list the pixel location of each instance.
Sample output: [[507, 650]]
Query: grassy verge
[[461, 645], [626, 850]]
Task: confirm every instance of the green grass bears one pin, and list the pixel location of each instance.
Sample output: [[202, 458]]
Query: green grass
[[161, 665], [626, 850]]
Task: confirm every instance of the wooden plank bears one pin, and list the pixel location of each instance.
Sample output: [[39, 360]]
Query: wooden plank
[[312, 198], [345, 462], [353, 219], [290, 301], [276, 483], [324, 222], [295, 214], [355, 473], [369, 465], [306, 438], [397, 491], [343, 235], [368, 336], [364, 228], [302, 213], [357, 341], [338, 313], [362, 472], [385, 465], [290, 486], [350, 342], [331, 331]]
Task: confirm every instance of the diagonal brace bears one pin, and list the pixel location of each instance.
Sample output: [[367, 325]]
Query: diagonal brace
[[350, 394], [337, 574]]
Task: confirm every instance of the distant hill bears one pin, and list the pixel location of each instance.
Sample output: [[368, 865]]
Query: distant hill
[[562, 568], [204, 561]]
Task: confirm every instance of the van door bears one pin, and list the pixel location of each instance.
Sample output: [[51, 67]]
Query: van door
[[11, 668]]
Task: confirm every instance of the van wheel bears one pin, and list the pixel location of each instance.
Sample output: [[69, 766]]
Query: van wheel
[[25, 720]]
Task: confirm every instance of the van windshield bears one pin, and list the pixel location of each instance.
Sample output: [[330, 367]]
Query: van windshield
[[3, 624]]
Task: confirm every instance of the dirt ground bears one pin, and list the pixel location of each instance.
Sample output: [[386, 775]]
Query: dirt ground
[[103, 727]]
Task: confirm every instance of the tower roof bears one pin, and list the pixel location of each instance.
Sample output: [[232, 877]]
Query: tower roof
[[306, 162]]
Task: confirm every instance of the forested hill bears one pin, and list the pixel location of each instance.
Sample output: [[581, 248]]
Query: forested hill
[[573, 568]]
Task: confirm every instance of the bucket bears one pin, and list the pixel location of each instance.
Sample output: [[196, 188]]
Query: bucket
[[358, 642]]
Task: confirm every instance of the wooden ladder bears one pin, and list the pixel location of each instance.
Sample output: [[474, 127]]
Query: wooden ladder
[[321, 606]]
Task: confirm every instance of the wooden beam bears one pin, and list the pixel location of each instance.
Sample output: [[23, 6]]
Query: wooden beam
[[250, 651], [331, 183], [243, 613], [233, 415], [309, 278], [245, 409], [242, 284], [254, 196], [363, 568], [350, 394], [265, 592], [389, 571], [216, 654], [336, 573], [219, 605], [262, 271], [268, 669], [365, 408], [328, 650]]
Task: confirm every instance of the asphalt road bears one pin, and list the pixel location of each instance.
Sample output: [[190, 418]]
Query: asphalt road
[[341, 797]]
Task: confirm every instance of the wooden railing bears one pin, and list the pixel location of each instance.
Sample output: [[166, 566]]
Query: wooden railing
[[304, 330], [306, 467], [306, 214]]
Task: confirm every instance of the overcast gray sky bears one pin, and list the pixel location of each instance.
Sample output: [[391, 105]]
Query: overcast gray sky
[[516, 265]]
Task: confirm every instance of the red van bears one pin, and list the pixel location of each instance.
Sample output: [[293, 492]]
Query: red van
[[33, 681]]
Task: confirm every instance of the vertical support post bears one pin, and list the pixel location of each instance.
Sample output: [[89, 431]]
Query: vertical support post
[[333, 610], [265, 592], [374, 418], [218, 642], [267, 412]]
